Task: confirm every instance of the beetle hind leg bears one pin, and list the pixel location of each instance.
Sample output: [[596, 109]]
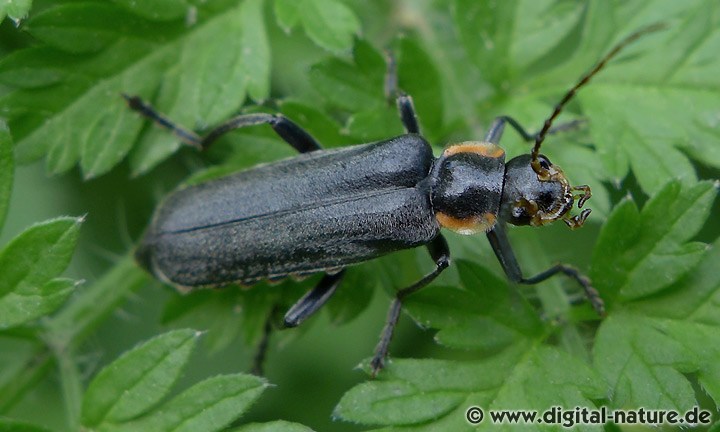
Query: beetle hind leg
[[290, 132], [263, 345], [313, 299], [187, 136]]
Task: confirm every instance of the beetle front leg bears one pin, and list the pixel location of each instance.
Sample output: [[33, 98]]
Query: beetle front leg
[[496, 129], [290, 132], [501, 246], [440, 253]]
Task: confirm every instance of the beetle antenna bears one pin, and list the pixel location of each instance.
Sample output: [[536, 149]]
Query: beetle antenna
[[543, 173]]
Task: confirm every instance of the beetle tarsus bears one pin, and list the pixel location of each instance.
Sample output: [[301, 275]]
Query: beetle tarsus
[[586, 194]]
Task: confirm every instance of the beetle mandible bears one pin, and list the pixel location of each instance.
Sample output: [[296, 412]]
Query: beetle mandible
[[327, 209]]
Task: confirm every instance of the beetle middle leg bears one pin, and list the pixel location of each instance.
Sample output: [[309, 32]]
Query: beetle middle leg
[[404, 102], [290, 132], [501, 246], [440, 253], [313, 299]]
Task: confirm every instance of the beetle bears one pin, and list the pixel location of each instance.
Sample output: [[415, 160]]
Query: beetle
[[325, 210]]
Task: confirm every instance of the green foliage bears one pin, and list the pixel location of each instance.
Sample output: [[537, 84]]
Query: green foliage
[[329, 23], [641, 253], [650, 137], [14, 9], [137, 380], [124, 394], [7, 167], [7, 425], [649, 345], [31, 263], [279, 426], [635, 357]]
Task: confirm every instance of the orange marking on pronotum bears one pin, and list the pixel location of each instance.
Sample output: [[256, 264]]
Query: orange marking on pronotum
[[470, 225], [479, 147]]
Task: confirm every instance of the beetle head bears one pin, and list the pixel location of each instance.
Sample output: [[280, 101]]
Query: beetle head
[[529, 200]]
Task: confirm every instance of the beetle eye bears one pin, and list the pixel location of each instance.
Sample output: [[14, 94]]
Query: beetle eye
[[544, 162]]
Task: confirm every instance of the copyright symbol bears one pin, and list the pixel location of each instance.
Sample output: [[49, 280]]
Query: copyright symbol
[[474, 415]]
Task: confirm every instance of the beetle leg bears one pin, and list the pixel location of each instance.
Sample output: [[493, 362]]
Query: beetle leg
[[403, 101], [501, 246], [290, 132], [496, 129], [145, 109], [313, 299], [440, 253], [407, 113], [498, 126], [262, 348]]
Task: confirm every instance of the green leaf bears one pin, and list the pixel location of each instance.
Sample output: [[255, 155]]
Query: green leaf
[[647, 350], [231, 313], [642, 103], [418, 391], [7, 169], [9, 425], [354, 295], [15, 9], [483, 313], [203, 72], [85, 312], [329, 23], [345, 86], [640, 253], [485, 29], [138, 380], [30, 302], [83, 27], [209, 405], [255, 50], [375, 124], [275, 426], [287, 13], [217, 68], [71, 325], [418, 76], [378, 119], [159, 10], [38, 254], [644, 365], [35, 67]]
